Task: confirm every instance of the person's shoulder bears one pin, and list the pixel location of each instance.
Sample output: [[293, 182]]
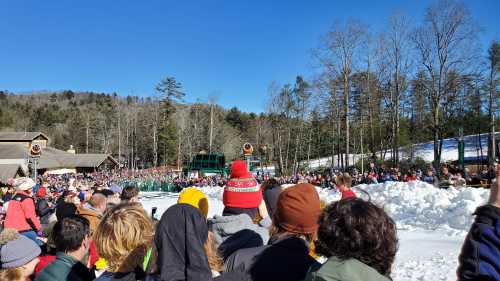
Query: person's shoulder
[[348, 270]]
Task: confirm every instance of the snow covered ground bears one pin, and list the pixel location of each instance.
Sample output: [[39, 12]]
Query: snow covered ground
[[432, 223]]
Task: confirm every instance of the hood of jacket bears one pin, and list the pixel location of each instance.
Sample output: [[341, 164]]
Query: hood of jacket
[[180, 238], [347, 270]]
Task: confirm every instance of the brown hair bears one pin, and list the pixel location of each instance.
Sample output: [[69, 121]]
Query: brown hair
[[129, 192], [358, 229], [12, 274], [344, 179], [214, 260], [123, 237]]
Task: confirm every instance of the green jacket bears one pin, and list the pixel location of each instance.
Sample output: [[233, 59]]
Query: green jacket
[[65, 268], [349, 270]]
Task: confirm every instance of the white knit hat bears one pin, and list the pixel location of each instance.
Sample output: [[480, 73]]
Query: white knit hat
[[24, 183]]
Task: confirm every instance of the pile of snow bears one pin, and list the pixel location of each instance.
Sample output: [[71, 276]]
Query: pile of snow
[[420, 205], [411, 205]]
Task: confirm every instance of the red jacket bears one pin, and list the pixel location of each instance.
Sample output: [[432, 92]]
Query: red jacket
[[348, 194], [21, 213]]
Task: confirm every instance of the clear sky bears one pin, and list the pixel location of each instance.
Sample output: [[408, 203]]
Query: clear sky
[[230, 49]]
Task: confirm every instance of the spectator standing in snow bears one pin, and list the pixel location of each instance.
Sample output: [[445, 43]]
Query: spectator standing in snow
[[237, 227], [344, 183], [480, 255], [430, 178], [21, 214], [366, 254]]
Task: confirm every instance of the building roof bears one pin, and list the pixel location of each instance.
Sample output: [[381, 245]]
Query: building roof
[[8, 171], [21, 136], [52, 158], [13, 151]]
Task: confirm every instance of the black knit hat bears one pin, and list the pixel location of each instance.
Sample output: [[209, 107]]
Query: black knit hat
[[65, 209]]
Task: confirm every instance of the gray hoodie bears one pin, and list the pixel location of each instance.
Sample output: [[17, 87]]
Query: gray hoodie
[[232, 233]]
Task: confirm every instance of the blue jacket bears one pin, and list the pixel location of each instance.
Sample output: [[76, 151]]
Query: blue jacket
[[480, 255]]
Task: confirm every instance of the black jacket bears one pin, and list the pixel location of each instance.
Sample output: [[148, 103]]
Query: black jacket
[[43, 210], [180, 238], [480, 255], [286, 258]]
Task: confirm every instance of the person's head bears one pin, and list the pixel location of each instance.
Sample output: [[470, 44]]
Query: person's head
[[358, 229], [195, 198], [130, 194], [18, 256], [71, 235], [297, 212], [123, 237], [65, 209], [242, 193], [344, 181], [181, 238], [98, 201], [429, 172], [445, 170], [24, 184]]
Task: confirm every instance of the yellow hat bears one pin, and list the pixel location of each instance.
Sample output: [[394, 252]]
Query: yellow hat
[[195, 198]]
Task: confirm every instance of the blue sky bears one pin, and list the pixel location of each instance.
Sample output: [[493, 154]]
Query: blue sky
[[229, 49]]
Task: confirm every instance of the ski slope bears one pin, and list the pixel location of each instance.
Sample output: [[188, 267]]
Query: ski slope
[[432, 223]]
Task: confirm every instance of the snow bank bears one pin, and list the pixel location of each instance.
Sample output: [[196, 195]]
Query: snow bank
[[411, 205], [420, 205]]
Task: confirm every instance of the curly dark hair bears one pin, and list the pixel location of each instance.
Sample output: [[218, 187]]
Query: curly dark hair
[[355, 228]]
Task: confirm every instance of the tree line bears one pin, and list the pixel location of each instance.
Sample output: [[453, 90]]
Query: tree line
[[372, 93]]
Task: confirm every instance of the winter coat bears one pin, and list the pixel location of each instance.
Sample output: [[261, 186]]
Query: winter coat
[[431, 180], [232, 233], [137, 275], [480, 255], [65, 268], [21, 214], [348, 270], [91, 215], [285, 258], [43, 210], [180, 238], [348, 194]]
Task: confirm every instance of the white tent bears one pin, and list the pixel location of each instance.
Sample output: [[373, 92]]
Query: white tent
[[61, 172]]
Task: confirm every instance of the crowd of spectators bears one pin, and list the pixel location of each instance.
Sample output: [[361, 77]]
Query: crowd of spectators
[[67, 228]]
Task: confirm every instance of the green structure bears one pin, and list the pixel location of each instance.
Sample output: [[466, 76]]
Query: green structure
[[208, 163]]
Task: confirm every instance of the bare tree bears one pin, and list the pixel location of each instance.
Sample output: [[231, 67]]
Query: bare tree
[[444, 42], [341, 46], [396, 51]]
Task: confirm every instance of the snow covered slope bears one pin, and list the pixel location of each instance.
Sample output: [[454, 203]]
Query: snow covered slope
[[432, 222]]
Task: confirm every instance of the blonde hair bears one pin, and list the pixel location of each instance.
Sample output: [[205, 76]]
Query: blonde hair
[[214, 260], [12, 274], [123, 237]]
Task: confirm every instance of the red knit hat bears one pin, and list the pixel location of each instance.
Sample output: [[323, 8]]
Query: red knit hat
[[42, 192], [242, 190], [298, 209]]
